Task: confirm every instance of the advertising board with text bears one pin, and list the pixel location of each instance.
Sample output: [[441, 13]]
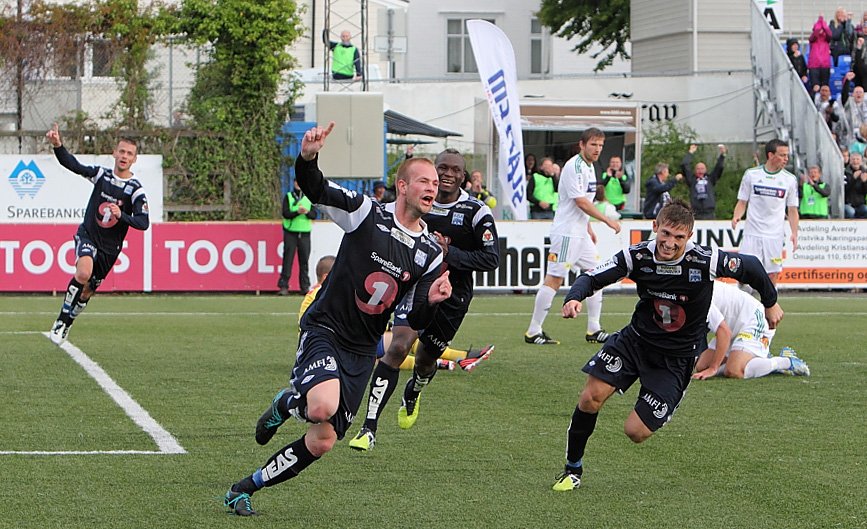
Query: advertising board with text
[[246, 256]]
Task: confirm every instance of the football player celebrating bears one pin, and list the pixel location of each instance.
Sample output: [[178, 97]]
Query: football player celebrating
[[674, 278], [464, 227], [117, 203], [384, 255]]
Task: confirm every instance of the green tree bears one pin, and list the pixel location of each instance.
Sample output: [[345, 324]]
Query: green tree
[[591, 22], [235, 97]]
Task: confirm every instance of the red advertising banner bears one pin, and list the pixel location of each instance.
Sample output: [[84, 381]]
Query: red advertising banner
[[41, 258], [217, 256]]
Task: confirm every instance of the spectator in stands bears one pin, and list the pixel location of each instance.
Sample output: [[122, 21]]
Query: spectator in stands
[[856, 188], [819, 63], [702, 195], [530, 165], [542, 191], [844, 152], [616, 183], [854, 108], [345, 58], [860, 142], [813, 193], [842, 34], [793, 50], [477, 189], [859, 63], [831, 111], [657, 187], [861, 29]]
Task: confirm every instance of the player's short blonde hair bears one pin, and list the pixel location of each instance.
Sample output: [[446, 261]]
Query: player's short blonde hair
[[403, 171]]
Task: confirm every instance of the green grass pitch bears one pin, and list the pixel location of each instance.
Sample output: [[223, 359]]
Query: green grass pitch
[[778, 452]]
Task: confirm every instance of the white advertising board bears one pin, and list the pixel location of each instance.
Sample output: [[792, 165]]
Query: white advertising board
[[36, 189]]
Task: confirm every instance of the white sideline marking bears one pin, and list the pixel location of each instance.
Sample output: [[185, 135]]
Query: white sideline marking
[[290, 313], [78, 452], [165, 441]]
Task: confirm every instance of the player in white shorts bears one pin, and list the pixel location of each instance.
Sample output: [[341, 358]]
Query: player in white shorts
[[741, 348], [573, 243], [772, 193]]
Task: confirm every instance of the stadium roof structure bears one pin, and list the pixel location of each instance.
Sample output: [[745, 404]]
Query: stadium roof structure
[[397, 123]]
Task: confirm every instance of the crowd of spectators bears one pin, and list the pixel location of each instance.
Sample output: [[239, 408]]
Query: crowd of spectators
[[830, 42]]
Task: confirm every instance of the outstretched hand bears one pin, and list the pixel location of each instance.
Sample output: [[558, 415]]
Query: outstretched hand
[[53, 136], [440, 290], [314, 140]]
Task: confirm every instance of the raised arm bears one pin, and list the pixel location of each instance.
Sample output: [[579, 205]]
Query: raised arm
[[66, 159]]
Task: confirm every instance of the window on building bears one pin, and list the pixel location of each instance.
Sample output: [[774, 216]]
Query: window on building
[[102, 58], [84, 60], [459, 52], [536, 55]]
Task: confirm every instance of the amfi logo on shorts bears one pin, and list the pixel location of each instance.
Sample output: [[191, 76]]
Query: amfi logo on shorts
[[26, 179]]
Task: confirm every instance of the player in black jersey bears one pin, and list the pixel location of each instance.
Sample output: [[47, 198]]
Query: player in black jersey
[[659, 347], [117, 203], [385, 255], [464, 227]]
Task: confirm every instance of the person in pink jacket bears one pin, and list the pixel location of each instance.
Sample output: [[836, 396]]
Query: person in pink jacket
[[819, 62]]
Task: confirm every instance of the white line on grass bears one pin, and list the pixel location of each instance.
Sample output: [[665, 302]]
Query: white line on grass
[[165, 441], [78, 452], [282, 314]]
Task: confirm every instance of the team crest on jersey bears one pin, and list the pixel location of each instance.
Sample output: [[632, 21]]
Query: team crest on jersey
[[733, 264], [420, 258], [402, 237], [127, 190], [669, 270], [457, 219], [487, 238], [695, 276]]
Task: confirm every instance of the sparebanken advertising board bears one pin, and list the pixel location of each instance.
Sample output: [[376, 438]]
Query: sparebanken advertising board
[[246, 256]]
